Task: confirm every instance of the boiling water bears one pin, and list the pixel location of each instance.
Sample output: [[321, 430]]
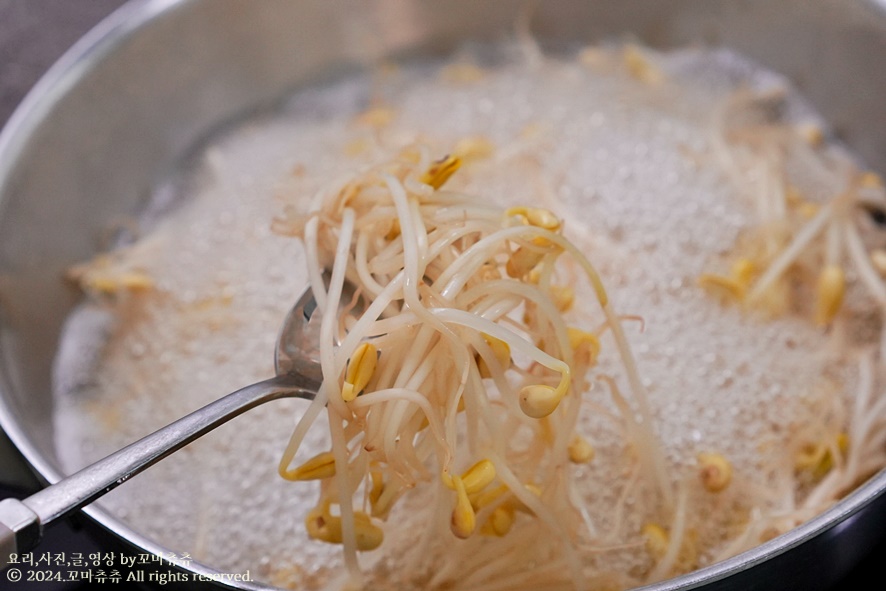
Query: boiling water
[[624, 159]]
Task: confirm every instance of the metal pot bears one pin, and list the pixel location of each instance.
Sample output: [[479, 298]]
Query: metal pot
[[137, 93]]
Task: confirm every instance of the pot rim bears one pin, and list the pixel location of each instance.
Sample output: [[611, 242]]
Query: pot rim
[[100, 42]]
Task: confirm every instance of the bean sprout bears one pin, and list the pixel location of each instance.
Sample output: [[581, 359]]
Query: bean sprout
[[459, 352]]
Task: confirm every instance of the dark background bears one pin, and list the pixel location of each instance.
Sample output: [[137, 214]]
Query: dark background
[[33, 34]]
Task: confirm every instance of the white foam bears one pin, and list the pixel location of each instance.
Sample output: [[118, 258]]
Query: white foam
[[610, 154]]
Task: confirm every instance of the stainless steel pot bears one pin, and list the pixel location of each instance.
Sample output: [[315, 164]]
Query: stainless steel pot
[[136, 94]]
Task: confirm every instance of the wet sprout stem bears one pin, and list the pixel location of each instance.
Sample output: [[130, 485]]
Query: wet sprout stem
[[460, 344]]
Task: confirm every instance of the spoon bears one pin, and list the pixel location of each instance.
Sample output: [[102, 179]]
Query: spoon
[[298, 375]]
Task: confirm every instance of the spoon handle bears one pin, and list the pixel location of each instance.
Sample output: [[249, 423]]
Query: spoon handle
[[22, 522]]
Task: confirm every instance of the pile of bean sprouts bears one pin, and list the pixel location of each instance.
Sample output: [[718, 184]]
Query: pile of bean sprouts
[[456, 371], [803, 257]]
